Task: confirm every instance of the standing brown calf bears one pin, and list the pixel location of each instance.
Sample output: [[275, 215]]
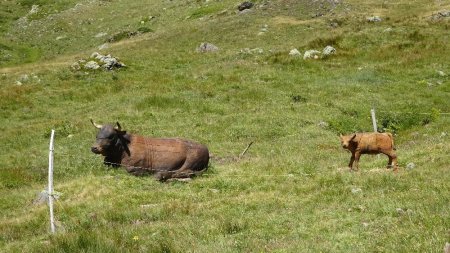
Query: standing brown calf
[[369, 143]]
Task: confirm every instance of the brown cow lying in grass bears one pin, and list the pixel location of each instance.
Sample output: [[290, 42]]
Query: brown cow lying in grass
[[369, 143], [165, 158]]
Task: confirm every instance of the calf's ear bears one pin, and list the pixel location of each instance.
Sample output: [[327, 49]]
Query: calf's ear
[[353, 137]]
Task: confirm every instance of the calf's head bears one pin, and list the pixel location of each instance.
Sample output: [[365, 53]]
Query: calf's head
[[346, 140], [109, 139]]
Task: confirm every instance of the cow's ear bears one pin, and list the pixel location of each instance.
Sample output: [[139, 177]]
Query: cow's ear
[[122, 133], [353, 137]]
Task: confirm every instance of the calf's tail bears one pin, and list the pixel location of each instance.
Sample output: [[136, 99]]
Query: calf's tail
[[392, 140]]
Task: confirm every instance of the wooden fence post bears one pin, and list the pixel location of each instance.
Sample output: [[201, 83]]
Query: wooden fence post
[[50, 182], [374, 123], [374, 120]]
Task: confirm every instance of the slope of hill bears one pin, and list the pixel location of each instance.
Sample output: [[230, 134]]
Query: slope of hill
[[292, 191]]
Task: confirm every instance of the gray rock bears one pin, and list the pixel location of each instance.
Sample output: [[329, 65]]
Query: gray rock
[[328, 50], [374, 19], [323, 124], [441, 73], [99, 35], [109, 62], [106, 61], [24, 78], [264, 28], [103, 46], [35, 78], [91, 65], [295, 52], [356, 190], [252, 51], [445, 14], [311, 54], [410, 166], [34, 9], [245, 6], [61, 37], [440, 15], [207, 47], [96, 55], [97, 60], [245, 11], [257, 50], [214, 190], [43, 196]]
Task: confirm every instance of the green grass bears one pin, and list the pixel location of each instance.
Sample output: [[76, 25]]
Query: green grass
[[292, 191]]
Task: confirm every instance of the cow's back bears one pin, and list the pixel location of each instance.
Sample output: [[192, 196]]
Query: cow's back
[[165, 154], [374, 142]]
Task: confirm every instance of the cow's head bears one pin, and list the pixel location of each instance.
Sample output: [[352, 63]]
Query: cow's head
[[109, 139], [346, 140]]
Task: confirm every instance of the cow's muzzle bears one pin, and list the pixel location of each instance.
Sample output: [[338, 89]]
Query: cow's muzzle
[[96, 150]]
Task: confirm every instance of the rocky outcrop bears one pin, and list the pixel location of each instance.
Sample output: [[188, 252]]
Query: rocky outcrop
[[207, 47], [97, 61]]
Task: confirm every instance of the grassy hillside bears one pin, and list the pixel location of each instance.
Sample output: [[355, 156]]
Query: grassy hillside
[[292, 191]]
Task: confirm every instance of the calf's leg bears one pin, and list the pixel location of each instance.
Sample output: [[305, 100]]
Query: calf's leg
[[389, 162], [357, 156], [392, 159], [352, 159]]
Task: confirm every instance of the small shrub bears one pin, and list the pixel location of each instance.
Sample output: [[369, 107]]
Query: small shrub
[[394, 122], [298, 99], [416, 36], [144, 29], [122, 35], [128, 34], [233, 226], [343, 125]]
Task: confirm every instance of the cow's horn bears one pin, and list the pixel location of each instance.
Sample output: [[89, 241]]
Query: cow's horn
[[118, 126], [96, 125]]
